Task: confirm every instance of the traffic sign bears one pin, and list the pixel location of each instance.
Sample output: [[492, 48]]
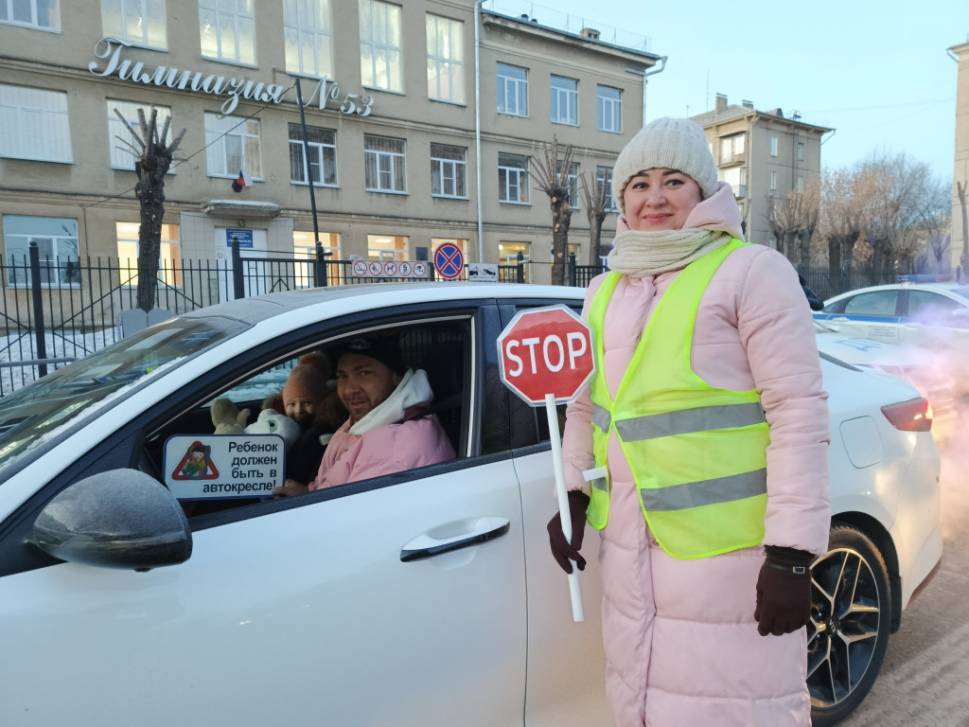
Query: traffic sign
[[546, 351], [449, 261], [545, 357], [360, 267]]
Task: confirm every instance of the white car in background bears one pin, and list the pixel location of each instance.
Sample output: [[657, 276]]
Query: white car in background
[[428, 597]]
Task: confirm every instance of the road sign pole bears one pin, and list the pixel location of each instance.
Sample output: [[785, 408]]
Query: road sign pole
[[565, 513]]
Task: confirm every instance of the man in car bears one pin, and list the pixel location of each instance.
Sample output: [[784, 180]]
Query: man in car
[[388, 429]]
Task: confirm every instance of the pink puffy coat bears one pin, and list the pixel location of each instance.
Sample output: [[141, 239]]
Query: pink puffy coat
[[681, 643], [382, 451]]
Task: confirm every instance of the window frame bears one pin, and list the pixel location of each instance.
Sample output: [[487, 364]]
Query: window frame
[[571, 96], [374, 47], [62, 117], [457, 167], [605, 179], [775, 144], [453, 66], [519, 173], [214, 7], [394, 158], [220, 142], [614, 107], [145, 18], [502, 81], [320, 149], [33, 24], [22, 266], [294, 25]]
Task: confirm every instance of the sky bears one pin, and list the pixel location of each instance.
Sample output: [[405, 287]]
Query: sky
[[878, 72]]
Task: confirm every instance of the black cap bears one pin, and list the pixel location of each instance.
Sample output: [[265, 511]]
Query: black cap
[[384, 348]]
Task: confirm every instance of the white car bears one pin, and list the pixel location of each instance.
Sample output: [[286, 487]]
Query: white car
[[428, 597]]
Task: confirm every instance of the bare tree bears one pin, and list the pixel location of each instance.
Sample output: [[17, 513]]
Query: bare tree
[[554, 177], [840, 224], [595, 197], [153, 158], [793, 221]]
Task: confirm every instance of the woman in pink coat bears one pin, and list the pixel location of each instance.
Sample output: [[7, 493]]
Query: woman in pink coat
[[710, 639]]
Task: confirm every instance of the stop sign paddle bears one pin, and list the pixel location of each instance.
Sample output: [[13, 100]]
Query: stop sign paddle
[[545, 357]]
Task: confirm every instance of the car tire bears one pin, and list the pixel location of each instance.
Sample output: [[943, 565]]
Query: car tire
[[851, 616]]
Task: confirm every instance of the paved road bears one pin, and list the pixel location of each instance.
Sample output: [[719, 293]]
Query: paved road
[[925, 677]]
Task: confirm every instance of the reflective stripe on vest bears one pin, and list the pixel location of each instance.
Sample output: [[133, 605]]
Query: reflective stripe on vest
[[697, 453], [688, 420]]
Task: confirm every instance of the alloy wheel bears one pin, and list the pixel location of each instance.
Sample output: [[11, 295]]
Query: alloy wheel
[[845, 620]]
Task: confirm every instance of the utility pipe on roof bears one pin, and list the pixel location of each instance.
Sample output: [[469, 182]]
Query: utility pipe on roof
[[646, 75]]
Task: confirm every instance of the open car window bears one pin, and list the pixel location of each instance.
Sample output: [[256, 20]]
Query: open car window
[[239, 466]]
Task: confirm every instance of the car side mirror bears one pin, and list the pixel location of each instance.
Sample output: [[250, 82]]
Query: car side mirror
[[121, 518]]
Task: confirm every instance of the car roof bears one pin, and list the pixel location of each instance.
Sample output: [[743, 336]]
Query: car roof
[[950, 287], [375, 295]]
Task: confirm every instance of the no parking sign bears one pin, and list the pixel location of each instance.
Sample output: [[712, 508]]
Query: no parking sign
[[449, 261]]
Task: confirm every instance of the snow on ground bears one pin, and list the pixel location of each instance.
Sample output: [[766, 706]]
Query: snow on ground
[[15, 348]]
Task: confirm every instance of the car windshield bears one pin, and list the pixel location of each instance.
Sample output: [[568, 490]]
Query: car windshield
[[29, 416]]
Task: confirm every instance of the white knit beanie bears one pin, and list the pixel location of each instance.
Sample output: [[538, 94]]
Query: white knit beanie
[[666, 143]]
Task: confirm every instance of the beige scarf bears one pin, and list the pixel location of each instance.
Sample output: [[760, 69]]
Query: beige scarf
[[638, 253]]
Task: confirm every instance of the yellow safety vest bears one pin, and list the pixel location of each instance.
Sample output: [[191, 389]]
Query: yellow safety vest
[[698, 454]]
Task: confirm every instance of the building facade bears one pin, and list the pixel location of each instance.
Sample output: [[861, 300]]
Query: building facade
[[389, 97], [960, 172], [764, 156]]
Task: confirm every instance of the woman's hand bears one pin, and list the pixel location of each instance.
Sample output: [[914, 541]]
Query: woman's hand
[[783, 591], [562, 550], [290, 488]]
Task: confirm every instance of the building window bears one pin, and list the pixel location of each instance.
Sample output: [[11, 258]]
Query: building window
[[800, 151], [445, 59], [575, 250], [304, 250], [121, 156], [321, 165], [565, 100], [609, 105], [572, 182], [56, 240], [228, 29], [736, 177], [387, 247], [513, 253], [137, 22], [732, 148], [40, 14], [169, 269], [436, 242], [35, 124], [773, 181], [799, 183], [512, 90], [384, 164], [308, 29], [380, 46], [774, 142], [512, 178], [233, 146], [604, 187], [449, 171]]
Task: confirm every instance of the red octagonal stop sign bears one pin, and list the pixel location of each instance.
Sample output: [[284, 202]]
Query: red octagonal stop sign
[[546, 351]]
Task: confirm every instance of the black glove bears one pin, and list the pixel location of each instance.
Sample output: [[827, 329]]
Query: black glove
[[562, 551], [783, 591]]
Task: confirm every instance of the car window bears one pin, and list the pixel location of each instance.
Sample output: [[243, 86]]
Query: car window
[[875, 303], [928, 308], [425, 391], [837, 306], [65, 396]]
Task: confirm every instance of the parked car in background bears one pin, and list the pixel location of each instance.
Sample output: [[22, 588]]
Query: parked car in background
[[425, 597]]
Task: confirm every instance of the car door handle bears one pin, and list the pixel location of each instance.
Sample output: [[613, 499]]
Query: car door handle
[[444, 539]]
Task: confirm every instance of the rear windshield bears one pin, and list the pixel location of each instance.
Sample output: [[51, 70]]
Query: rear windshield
[[34, 414]]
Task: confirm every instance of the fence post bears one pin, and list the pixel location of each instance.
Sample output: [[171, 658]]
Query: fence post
[[238, 286], [573, 273], [319, 269], [38, 305]]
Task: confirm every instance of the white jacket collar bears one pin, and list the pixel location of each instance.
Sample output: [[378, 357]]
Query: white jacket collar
[[413, 390]]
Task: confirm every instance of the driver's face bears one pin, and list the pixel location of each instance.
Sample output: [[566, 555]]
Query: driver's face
[[363, 383]]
